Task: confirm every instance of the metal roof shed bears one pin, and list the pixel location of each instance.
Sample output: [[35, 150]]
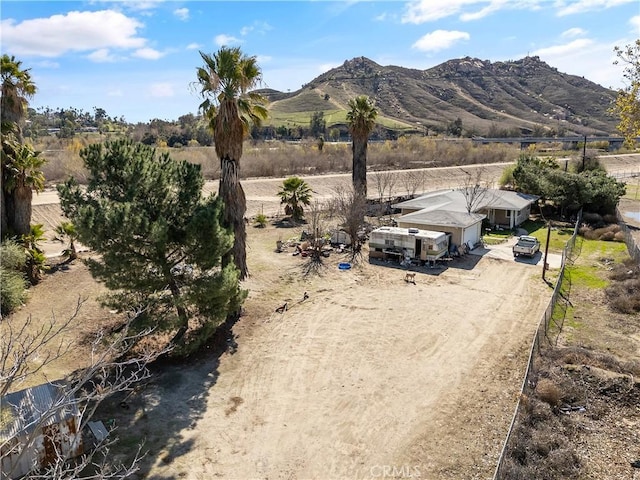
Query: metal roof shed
[[37, 426]]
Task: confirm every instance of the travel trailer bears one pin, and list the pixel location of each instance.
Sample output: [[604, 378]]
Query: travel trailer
[[410, 244]]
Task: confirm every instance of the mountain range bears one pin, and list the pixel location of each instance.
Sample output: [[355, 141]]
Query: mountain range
[[525, 96]]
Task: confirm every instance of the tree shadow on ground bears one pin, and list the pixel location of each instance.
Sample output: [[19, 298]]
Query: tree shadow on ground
[[157, 412]]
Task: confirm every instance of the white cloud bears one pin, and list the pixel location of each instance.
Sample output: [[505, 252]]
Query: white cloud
[[194, 46], [48, 64], [224, 40], [422, 11], [635, 22], [103, 55], [148, 54], [162, 90], [263, 59], [493, 6], [585, 58], [583, 6], [182, 13], [440, 40], [74, 31], [258, 27], [573, 32], [575, 46]]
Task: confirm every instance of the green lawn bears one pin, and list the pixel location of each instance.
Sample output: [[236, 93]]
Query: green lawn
[[633, 191]]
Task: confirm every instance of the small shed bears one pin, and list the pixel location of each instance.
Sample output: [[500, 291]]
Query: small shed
[[36, 427], [407, 243]]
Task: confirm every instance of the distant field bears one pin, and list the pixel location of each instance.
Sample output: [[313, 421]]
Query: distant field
[[332, 117]]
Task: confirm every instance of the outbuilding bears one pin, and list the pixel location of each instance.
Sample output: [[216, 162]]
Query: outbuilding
[[37, 427]]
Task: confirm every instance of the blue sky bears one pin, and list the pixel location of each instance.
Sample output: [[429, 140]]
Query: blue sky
[[138, 59]]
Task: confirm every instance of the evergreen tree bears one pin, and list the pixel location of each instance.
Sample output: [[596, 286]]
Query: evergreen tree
[[160, 244]]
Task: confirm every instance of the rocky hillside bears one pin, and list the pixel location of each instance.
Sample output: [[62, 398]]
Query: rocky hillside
[[516, 96]]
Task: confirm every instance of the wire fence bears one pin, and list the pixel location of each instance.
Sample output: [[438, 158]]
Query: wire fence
[[629, 239], [552, 320]]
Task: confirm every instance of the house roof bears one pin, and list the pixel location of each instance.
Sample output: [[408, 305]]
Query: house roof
[[442, 218], [457, 201], [25, 410]]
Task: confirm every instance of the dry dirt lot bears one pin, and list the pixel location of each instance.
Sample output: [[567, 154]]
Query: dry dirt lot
[[370, 377], [369, 372]]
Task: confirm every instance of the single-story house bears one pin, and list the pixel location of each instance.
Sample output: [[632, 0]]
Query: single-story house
[[460, 212], [37, 427]]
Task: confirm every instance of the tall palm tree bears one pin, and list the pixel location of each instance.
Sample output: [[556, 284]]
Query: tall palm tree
[[225, 82], [17, 87], [295, 193], [22, 174], [361, 119]]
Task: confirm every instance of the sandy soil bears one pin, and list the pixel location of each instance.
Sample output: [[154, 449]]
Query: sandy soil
[[369, 373], [370, 377]]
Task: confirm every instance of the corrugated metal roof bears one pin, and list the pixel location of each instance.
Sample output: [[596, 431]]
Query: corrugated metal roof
[[23, 411]]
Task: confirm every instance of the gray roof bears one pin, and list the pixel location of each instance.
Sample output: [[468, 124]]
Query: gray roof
[[455, 201], [25, 410], [442, 218]]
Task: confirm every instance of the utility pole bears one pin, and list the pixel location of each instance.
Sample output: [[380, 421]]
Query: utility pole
[[584, 152], [546, 251]]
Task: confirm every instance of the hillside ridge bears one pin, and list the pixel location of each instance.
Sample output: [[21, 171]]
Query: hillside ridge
[[516, 96]]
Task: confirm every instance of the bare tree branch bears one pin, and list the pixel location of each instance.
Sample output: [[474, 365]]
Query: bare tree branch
[[474, 190], [112, 368]]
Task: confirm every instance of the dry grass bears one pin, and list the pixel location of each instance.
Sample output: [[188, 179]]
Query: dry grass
[[609, 233], [279, 159], [548, 392], [624, 292]]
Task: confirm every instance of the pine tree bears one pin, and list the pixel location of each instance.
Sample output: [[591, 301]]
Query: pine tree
[[159, 244]]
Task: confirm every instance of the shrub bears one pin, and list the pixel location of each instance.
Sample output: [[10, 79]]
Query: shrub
[[13, 284], [548, 392], [261, 220], [609, 233], [624, 296]]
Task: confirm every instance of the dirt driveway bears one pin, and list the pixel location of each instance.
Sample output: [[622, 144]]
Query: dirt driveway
[[367, 375]]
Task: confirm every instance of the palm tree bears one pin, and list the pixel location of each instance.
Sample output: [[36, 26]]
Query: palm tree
[[17, 87], [225, 81], [67, 231], [361, 119], [295, 193], [36, 259], [22, 174]]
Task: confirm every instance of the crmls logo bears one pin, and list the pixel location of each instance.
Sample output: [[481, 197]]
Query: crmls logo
[[394, 471]]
